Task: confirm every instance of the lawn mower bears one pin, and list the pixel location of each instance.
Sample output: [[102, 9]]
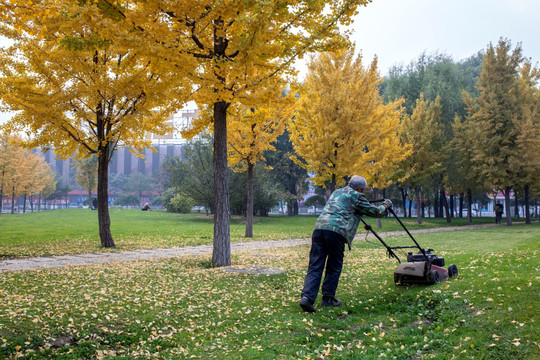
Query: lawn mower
[[424, 267]]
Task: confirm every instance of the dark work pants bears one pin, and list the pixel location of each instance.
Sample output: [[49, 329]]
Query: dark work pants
[[327, 247]]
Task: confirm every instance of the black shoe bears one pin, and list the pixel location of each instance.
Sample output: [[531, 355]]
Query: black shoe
[[306, 305], [330, 301]]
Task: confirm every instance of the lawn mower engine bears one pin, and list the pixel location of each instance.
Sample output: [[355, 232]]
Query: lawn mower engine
[[423, 268]]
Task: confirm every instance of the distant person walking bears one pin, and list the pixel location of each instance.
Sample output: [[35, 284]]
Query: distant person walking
[[499, 210]]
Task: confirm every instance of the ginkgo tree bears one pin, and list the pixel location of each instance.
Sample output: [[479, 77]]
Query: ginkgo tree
[[341, 125], [78, 79], [22, 173], [252, 132], [239, 46], [86, 171], [37, 173]]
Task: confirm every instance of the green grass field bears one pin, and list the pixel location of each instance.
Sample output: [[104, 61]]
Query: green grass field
[[181, 308], [76, 230]]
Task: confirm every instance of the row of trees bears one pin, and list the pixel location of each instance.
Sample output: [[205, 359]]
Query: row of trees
[[87, 76], [342, 125], [474, 126], [23, 173]]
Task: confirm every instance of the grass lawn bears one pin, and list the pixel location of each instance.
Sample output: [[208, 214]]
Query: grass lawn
[[181, 309], [76, 230]]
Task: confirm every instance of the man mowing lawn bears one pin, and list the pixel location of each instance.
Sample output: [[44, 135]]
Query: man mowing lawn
[[336, 226]]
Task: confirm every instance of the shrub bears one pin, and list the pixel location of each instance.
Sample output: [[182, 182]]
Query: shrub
[[180, 203], [158, 201], [127, 200]]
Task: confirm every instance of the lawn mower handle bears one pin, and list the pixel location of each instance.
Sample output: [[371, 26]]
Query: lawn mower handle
[[402, 225], [388, 248]]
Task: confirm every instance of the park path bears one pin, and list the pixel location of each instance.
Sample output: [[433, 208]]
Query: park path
[[172, 252]]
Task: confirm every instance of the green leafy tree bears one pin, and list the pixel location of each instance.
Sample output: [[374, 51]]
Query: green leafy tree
[[423, 131], [264, 192], [465, 180], [431, 76], [86, 174], [286, 173], [139, 184], [498, 116], [193, 176], [118, 183]]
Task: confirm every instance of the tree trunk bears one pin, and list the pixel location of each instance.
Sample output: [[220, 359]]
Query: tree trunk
[[442, 201], [221, 255], [410, 209], [527, 210], [332, 184], [404, 199], [469, 205], [104, 219], [507, 205], [24, 204], [13, 200], [436, 212], [445, 204], [461, 199], [292, 204], [516, 207], [290, 208], [418, 210], [89, 199], [249, 211], [2, 193]]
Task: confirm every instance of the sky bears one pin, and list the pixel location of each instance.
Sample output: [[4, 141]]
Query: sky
[[398, 31]]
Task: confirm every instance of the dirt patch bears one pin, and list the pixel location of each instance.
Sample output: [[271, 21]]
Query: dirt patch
[[254, 270], [62, 341]]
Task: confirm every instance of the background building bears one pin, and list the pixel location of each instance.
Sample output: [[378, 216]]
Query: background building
[[127, 163]]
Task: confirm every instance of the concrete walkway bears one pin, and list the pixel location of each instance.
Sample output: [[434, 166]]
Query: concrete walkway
[[172, 252]]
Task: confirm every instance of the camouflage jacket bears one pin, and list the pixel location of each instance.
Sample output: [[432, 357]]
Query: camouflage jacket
[[342, 212]]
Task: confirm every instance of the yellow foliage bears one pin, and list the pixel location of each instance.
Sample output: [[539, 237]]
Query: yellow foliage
[[239, 45], [76, 81], [252, 130], [341, 125], [21, 171]]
